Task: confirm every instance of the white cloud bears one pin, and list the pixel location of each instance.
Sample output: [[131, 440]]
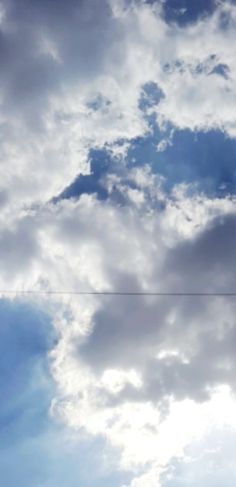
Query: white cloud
[[209, 430], [63, 96], [136, 370], [114, 363]]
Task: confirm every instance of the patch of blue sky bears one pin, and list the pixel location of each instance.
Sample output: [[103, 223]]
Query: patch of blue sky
[[102, 165], [151, 95], [222, 70], [184, 12], [51, 459], [25, 338], [93, 183], [205, 160], [35, 450]]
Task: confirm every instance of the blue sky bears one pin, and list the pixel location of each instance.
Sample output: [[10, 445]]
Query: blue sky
[[35, 449], [212, 172], [184, 12], [118, 150]]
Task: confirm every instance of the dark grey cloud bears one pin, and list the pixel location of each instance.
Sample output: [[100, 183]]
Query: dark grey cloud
[[206, 263], [181, 346], [80, 32], [130, 332], [126, 330]]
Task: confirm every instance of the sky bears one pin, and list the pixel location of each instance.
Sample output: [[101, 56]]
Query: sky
[[117, 174]]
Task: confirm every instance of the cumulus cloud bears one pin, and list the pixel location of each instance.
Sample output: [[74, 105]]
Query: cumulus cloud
[[143, 372], [121, 362], [136, 351], [72, 81]]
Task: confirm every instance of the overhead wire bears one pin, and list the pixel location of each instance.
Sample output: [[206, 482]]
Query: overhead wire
[[117, 293]]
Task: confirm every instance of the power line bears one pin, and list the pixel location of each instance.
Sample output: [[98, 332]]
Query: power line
[[118, 293]]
